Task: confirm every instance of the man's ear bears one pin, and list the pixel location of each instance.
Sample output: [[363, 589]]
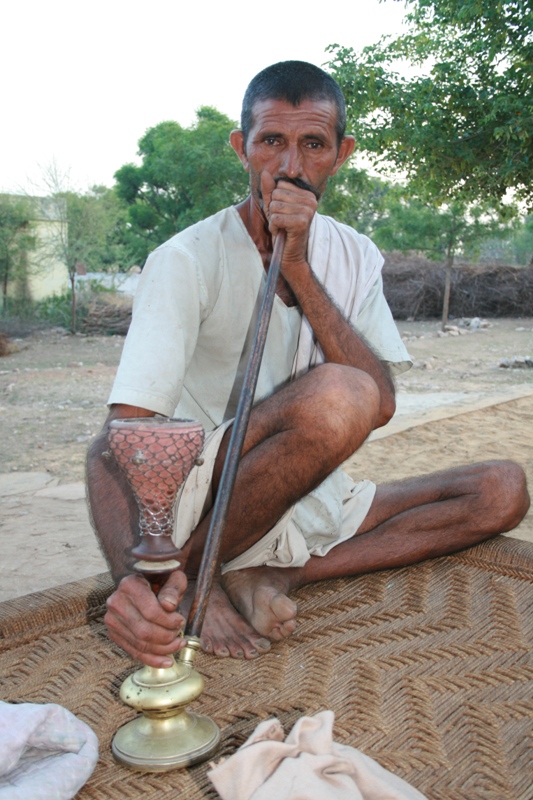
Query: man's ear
[[236, 140], [346, 148]]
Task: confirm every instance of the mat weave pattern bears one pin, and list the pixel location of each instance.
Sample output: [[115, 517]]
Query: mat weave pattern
[[428, 669]]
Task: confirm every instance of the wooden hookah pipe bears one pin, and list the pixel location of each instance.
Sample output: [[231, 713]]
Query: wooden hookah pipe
[[208, 564], [156, 456]]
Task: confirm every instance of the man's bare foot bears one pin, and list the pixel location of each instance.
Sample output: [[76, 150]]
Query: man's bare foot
[[260, 594], [224, 632]]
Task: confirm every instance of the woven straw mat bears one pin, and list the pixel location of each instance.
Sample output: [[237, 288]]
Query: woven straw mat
[[428, 669]]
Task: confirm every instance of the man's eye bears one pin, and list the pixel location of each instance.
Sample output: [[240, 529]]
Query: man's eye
[[271, 140], [314, 145]]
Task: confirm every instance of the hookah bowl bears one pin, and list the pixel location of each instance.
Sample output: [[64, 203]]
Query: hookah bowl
[[156, 456]]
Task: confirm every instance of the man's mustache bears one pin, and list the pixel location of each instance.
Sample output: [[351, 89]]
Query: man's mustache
[[296, 182], [301, 184]]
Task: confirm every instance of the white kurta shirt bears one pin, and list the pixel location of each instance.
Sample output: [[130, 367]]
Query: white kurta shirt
[[186, 351]]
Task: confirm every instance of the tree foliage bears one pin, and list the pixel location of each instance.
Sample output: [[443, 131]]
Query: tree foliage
[[186, 174], [355, 198], [91, 230], [441, 232], [16, 240], [96, 235], [463, 124]]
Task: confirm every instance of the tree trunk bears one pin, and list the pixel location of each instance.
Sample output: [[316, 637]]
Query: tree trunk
[[73, 302], [447, 288], [4, 287]]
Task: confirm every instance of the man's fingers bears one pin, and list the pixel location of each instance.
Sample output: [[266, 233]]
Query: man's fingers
[[146, 626], [153, 655], [268, 184], [134, 596], [173, 590], [130, 624]]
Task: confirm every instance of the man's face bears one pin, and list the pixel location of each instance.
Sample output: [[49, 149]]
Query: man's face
[[292, 142]]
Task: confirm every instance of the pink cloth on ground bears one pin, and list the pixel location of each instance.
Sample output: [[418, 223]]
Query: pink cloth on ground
[[308, 765]]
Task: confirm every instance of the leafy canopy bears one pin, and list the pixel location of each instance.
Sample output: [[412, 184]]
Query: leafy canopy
[[186, 174], [95, 234], [463, 124], [16, 239]]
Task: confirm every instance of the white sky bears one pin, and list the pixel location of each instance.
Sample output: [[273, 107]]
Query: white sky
[[82, 81]]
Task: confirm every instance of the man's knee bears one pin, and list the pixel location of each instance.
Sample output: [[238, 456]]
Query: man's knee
[[504, 494], [345, 404]]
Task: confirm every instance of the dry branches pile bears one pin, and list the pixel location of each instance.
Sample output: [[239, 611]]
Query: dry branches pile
[[414, 288], [107, 316]]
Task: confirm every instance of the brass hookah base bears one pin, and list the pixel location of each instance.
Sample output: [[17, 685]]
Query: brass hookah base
[[166, 736]]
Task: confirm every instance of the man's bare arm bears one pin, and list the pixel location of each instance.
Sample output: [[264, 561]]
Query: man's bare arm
[[114, 512], [293, 209], [338, 340]]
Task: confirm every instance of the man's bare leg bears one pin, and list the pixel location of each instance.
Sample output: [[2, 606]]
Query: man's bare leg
[[294, 440], [409, 521]]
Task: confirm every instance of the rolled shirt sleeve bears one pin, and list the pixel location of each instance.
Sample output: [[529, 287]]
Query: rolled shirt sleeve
[[377, 327], [162, 335]]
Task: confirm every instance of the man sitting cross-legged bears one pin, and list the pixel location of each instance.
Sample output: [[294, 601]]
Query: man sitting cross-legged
[[325, 384]]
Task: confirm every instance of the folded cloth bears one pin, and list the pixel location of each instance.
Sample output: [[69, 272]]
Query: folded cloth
[[46, 753], [308, 765]]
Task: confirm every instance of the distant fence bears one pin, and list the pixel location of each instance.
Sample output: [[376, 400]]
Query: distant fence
[[123, 282], [416, 290]]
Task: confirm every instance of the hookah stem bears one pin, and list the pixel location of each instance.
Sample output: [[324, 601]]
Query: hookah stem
[[209, 560]]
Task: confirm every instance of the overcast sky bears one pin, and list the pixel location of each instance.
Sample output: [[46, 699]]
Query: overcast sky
[[81, 82]]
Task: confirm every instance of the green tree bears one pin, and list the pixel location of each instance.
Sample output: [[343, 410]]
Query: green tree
[[522, 242], [463, 124], [91, 230], [16, 240], [186, 174], [355, 198], [97, 231], [441, 232]]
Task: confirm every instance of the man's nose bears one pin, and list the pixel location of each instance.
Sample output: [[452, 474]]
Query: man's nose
[[291, 164]]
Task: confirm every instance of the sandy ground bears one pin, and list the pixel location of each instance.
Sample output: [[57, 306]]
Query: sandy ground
[[457, 405]]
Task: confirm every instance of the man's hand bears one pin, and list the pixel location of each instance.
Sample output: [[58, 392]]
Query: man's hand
[[145, 626], [292, 208]]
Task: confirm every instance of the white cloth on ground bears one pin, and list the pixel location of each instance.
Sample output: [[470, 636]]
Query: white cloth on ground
[[308, 765], [46, 753]]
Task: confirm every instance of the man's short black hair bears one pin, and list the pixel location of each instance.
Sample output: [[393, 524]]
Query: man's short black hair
[[293, 82]]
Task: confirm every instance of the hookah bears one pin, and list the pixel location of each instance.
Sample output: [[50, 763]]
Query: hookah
[[156, 456]]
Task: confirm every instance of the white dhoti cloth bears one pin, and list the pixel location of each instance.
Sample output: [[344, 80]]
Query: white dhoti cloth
[[311, 527]]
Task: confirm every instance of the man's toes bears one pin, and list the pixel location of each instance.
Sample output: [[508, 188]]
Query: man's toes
[[282, 630], [284, 609], [220, 650], [276, 634], [256, 648], [214, 647], [288, 628], [235, 650]]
